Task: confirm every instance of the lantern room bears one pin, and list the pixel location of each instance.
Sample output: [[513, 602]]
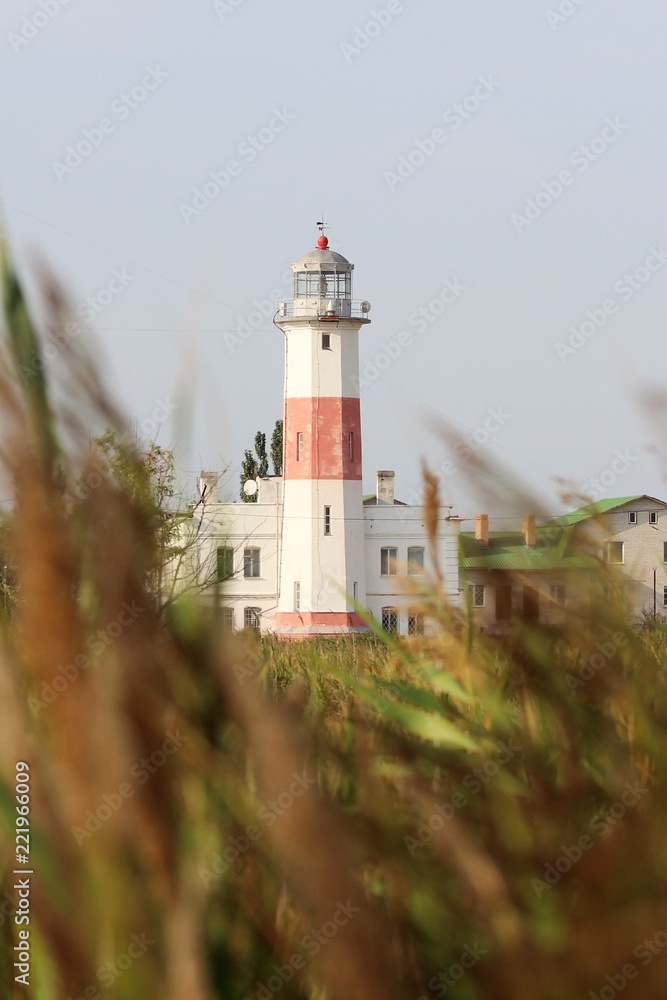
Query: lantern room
[[322, 286]]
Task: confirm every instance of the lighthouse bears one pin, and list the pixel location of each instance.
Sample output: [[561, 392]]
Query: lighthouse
[[322, 569]]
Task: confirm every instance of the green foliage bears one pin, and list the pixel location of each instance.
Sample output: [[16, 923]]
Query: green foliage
[[354, 819], [257, 464], [277, 448]]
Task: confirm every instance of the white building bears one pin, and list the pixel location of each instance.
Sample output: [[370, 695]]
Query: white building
[[311, 551]]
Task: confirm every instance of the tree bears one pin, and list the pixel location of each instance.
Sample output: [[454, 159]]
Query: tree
[[254, 465], [277, 448]]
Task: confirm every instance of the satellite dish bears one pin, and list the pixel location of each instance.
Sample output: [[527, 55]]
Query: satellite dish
[[250, 487], [365, 306]]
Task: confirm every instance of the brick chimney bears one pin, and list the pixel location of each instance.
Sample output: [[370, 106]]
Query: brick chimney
[[210, 481], [528, 530], [385, 486], [482, 530]]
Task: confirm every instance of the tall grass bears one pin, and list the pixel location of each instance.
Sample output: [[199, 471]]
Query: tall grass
[[350, 820]]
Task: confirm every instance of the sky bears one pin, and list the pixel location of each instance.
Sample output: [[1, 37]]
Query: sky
[[495, 171]]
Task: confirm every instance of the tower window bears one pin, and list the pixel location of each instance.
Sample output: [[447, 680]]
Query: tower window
[[297, 595], [251, 563], [350, 446], [327, 520], [326, 341], [388, 559], [299, 446]]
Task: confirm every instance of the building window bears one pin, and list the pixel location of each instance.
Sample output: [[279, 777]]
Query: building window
[[415, 624], [632, 517], [557, 592], [350, 446], [388, 560], [415, 560], [664, 551], [531, 604], [354, 590], [390, 620], [476, 593], [297, 596], [326, 341], [504, 603], [299, 446], [251, 617], [327, 520], [251, 562], [614, 552], [224, 563], [664, 597], [227, 619], [653, 517]]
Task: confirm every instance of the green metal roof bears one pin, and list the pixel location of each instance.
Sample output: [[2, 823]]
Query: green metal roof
[[595, 509], [507, 550]]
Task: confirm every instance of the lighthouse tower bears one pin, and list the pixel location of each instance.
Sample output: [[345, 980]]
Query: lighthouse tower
[[322, 552]]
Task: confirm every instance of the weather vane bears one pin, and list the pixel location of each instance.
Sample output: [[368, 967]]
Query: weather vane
[[322, 225]]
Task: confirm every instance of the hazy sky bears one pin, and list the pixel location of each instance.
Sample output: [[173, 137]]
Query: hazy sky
[[495, 171]]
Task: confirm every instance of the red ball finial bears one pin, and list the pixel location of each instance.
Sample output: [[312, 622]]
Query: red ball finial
[[322, 242]]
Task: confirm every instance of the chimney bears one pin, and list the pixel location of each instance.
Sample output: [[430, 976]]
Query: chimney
[[385, 486], [528, 530], [482, 530], [209, 480]]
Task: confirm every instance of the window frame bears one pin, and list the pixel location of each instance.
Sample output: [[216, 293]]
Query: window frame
[[299, 446], [297, 595], [608, 551], [326, 342], [252, 562], [415, 623], [389, 562], [224, 574], [327, 519], [228, 619], [252, 617], [633, 517], [390, 620], [473, 589], [415, 567], [653, 517]]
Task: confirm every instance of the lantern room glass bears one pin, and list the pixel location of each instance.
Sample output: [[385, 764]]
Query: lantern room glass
[[322, 285]]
